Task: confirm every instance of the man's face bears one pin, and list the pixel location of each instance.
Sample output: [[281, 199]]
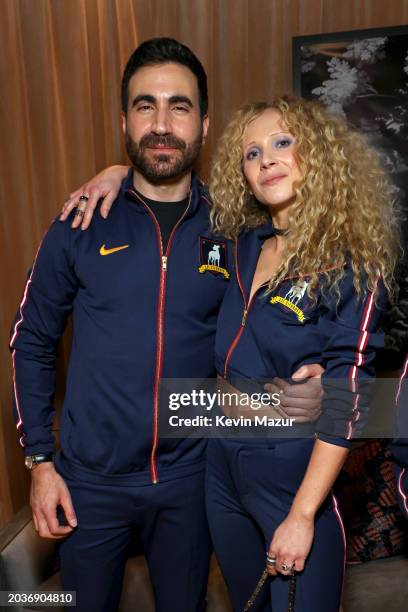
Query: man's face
[[163, 127]]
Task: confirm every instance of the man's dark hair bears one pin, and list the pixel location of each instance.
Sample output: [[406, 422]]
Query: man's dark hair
[[161, 51]]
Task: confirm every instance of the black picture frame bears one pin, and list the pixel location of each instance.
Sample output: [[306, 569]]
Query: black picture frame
[[363, 76]]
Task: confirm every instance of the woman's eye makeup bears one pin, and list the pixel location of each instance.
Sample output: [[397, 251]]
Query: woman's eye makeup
[[283, 142], [278, 143], [251, 154]]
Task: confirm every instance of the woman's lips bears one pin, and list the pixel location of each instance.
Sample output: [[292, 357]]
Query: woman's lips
[[273, 179]]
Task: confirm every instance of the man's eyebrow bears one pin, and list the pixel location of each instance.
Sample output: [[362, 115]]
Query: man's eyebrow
[[181, 99], [143, 98]]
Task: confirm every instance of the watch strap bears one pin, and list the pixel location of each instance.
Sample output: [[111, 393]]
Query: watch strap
[[31, 461]]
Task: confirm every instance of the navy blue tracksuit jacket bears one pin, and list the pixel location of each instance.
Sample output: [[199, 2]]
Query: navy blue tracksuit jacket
[[138, 314], [274, 335]]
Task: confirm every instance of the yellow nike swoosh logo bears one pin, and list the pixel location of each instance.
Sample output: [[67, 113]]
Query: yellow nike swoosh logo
[[104, 251]]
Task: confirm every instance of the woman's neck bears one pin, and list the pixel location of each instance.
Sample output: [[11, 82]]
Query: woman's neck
[[279, 214]]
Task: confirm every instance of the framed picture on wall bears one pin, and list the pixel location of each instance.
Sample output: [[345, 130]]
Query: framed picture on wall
[[362, 75]]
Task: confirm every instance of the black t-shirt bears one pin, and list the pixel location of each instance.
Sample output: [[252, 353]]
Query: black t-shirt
[[167, 215]]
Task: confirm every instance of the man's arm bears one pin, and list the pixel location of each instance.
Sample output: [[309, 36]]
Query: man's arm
[[104, 185], [303, 400], [39, 325]]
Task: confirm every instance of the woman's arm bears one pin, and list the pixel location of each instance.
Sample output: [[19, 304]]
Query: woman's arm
[[292, 540], [104, 185], [350, 339]]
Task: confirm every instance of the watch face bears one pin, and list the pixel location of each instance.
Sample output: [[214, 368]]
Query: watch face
[[29, 463]]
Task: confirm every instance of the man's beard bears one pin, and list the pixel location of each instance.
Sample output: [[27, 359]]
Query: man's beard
[[163, 166]]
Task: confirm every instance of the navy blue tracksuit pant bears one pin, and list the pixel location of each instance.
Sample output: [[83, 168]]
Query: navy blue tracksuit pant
[[250, 489], [168, 519]]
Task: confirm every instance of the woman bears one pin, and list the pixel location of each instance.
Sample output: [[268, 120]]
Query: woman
[[310, 210], [307, 287]]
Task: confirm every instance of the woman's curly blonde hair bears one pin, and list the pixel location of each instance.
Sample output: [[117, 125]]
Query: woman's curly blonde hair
[[343, 211]]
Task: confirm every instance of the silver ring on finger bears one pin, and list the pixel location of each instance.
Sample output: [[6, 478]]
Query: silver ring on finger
[[287, 567], [270, 561], [83, 198]]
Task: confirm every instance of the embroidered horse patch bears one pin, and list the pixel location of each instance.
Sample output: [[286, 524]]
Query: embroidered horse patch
[[213, 257], [292, 298]]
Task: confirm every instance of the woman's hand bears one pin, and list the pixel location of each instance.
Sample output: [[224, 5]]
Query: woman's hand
[[104, 185], [291, 544], [292, 540]]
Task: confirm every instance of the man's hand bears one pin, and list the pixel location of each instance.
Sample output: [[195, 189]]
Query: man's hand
[[301, 401], [48, 491], [104, 185]]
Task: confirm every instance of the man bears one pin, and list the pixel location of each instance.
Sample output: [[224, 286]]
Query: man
[[143, 308]]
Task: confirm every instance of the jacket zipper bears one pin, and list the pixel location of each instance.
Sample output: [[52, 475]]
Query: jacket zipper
[[247, 307], [160, 334], [246, 311]]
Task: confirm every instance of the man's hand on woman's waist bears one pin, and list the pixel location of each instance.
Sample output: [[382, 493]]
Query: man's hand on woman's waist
[[302, 400]]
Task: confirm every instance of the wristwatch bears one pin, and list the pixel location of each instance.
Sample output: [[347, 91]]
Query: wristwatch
[[31, 461]]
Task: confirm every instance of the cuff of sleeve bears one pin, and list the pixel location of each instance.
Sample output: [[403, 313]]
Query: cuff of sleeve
[[334, 440], [39, 450], [38, 440]]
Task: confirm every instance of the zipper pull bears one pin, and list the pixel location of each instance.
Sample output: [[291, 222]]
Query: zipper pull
[[244, 316], [164, 263]]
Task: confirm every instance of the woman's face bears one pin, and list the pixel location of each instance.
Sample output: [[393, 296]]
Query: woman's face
[[269, 160]]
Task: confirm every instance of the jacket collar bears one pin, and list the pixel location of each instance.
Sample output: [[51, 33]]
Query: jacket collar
[[248, 248]]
